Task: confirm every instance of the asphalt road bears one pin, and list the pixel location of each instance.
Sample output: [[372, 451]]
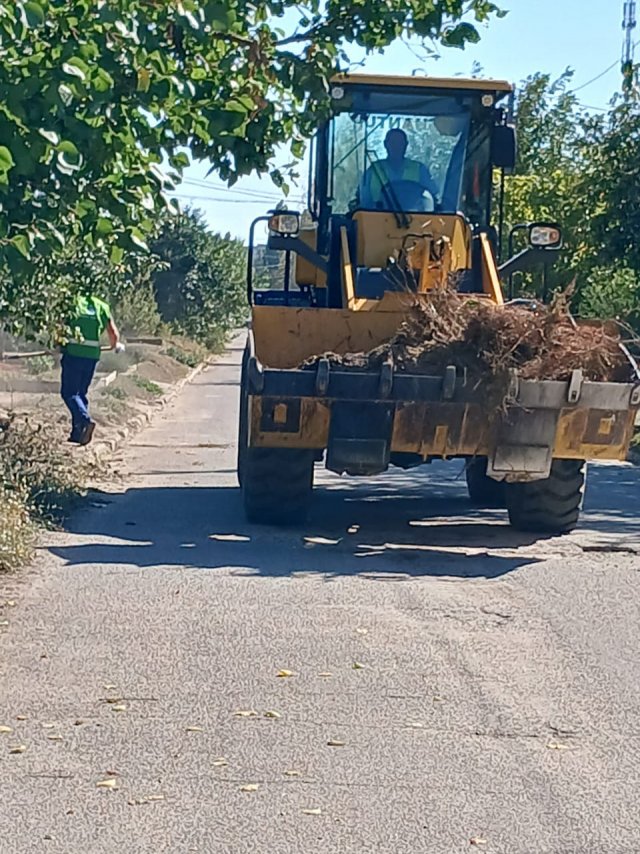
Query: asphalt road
[[455, 686]]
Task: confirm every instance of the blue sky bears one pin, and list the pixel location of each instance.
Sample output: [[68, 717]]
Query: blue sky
[[536, 35]]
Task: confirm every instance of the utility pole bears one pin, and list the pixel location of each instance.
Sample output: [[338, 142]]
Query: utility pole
[[629, 24]]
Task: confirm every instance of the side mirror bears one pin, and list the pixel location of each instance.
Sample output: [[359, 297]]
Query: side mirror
[[503, 147], [285, 223], [545, 235]]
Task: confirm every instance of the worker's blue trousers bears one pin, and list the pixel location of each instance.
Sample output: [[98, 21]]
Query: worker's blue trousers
[[77, 373]]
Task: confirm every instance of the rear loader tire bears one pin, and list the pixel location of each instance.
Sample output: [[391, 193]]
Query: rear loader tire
[[484, 491], [550, 506], [277, 485]]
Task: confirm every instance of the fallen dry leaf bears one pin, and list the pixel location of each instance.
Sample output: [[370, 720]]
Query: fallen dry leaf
[[250, 787], [48, 725], [230, 538], [107, 784], [220, 762], [155, 797], [109, 687], [21, 717], [439, 699], [194, 729], [357, 665], [312, 811], [292, 773], [245, 713], [558, 745], [284, 674], [54, 737], [4, 728], [325, 674], [18, 748], [120, 707], [477, 840], [362, 631], [335, 742], [271, 714], [4, 622], [353, 529]]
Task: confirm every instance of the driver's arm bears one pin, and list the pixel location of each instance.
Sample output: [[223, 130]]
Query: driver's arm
[[428, 183]]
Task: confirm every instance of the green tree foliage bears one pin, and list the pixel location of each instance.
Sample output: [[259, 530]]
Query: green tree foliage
[[99, 94], [583, 172], [200, 287], [543, 187], [609, 184]]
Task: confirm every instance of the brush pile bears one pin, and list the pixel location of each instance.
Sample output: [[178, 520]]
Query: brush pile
[[489, 341]]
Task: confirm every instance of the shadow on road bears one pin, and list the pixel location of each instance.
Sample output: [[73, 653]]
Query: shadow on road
[[399, 527]]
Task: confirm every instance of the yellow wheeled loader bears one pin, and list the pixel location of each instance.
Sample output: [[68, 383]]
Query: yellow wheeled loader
[[400, 203]]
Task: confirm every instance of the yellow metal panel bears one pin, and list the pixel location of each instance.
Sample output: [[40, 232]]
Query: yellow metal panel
[[348, 286], [490, 279], [380, 236], [440, 429], [286, 336], [593, 434], [306, 272], [461, 83], [314, 426]]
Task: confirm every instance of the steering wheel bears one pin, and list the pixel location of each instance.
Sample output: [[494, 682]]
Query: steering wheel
[[406, 196]]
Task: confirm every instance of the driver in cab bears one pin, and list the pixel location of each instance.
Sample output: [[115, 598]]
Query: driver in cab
[[396, 183]]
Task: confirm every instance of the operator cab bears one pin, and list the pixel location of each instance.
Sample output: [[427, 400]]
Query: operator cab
[[399, 158]]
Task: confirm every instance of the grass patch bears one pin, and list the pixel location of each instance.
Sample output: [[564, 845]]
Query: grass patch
[[38, 365], [190, 359], [38, 486], [147, 385], [115, 392], [17, 531]]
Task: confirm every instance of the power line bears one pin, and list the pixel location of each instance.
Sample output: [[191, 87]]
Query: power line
[[222, 200], [591, 107], [264, 202], [593, 79], [598, 76], [208, 185]]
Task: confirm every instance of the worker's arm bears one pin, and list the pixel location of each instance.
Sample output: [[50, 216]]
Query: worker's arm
[[114, 335], [428, 183]]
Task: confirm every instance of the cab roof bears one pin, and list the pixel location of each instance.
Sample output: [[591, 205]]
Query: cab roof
[[464, 84]]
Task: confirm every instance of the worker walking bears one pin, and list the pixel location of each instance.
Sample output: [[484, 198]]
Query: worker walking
[[92, 317]]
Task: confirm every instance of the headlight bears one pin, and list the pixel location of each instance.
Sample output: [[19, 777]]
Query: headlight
[[285, 223], [545, 236]]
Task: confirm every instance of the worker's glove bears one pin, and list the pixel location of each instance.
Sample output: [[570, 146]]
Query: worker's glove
[[119, 348]]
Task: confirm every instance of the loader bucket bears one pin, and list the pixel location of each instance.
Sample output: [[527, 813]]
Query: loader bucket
[[285, 337]]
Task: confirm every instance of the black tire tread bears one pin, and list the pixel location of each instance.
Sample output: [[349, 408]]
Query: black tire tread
[[277, 485], [549, 506], [483, 490]]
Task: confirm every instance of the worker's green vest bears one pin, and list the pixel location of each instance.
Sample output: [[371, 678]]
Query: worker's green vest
[[91, 318], [381, 175]]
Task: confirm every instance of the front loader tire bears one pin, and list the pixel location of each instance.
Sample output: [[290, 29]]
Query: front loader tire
[[550, 506], [243, 421], [484, 491], [277, 485]]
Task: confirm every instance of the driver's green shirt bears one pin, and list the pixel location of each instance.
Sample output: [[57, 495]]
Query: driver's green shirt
[[372, 194]]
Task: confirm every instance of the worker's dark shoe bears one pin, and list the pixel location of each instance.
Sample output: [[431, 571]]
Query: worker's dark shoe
[[75, 437], [87, 433]]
